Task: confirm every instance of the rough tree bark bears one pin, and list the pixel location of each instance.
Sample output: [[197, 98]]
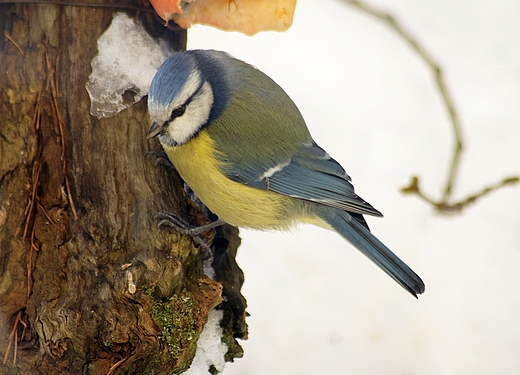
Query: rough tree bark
[[88, 283]]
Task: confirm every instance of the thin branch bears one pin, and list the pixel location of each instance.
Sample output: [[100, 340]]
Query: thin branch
[[8, 37], [13, 338], [116, 365], [30, 209], [443, 205], [48, 216], [53, 80]]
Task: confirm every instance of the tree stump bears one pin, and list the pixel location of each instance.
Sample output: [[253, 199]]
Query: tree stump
[[88, 283]]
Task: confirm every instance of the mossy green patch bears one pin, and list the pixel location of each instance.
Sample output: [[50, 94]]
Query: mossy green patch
[[177, 319]]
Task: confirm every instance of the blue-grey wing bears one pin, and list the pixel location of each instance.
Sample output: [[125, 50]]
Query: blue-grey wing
[[310, 174]]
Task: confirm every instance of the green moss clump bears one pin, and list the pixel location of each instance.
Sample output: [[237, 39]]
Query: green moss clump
[[177, 319]]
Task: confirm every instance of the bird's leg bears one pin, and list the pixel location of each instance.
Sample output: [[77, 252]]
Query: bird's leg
[[180, 225], [176, 222]]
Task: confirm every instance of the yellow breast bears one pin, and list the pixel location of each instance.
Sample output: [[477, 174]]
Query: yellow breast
[[235, 203]]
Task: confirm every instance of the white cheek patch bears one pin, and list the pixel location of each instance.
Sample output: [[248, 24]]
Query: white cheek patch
[[161, 113], [184, 127]]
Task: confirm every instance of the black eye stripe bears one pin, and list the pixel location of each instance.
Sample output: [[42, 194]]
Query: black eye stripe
[[179, 111]]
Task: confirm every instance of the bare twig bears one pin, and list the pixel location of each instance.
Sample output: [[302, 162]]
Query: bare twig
[[36, 166], [445, 207], [13, 338], [444, 204], [8, 37], [53, 80], [48, 216], [116, 365], [29, 211], [38, 110]]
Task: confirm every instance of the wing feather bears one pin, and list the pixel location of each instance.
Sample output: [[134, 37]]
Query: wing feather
[[312, 175]]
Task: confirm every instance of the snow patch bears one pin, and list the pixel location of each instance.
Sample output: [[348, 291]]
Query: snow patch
[[127, 60], [210, 348]]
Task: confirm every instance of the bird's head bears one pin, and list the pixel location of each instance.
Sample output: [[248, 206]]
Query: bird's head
[[182, 100]]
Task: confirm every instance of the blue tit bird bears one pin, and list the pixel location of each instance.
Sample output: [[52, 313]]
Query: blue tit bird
[[241, 144]]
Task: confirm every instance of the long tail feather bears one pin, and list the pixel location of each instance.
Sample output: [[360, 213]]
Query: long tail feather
[[359, 236]]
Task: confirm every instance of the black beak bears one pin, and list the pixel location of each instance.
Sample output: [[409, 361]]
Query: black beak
[[154, 130]]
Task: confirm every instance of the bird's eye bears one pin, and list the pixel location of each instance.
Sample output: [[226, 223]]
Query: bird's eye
[[179, 111]]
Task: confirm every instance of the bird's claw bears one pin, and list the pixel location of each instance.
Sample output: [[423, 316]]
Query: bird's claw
[[173, 221], [182, 226], [161, 158], [165, 219]]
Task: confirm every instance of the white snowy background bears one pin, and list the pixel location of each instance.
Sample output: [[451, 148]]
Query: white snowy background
[[317, 305]]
